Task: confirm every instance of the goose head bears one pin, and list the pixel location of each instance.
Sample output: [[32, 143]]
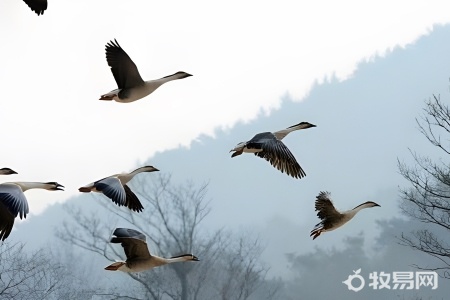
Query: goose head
[[148, 169], [306, 125], [367, 204], [194, 258], [53, 186], [239, 148], [181, 75], [7, 171]]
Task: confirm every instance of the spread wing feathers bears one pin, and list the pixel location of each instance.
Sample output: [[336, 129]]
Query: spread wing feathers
[[113, 189], [6, 222], [132, 201], [129, 233], [13, 199], [38, 6], [123, 68], [324, 207], [133, 243], [279, 156]]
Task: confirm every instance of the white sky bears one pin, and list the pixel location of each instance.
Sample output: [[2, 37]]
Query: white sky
[[244, 56]]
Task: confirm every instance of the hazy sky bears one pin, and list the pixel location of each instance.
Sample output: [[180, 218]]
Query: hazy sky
[[244, 57]]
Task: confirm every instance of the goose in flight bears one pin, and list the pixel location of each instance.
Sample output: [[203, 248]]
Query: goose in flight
[[13, 202], [38, 6], [138, 256], [115, 187], [331, 218], [7, 171], [131, 86], [268, 145]]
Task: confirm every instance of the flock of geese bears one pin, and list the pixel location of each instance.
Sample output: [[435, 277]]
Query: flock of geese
[[132, 87]]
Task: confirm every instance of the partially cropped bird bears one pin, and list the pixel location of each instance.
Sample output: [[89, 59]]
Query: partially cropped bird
[[331, 218], [38, 6], [131, 86], [138, 256], [13, 202], [268, 145], [7, 171], [115, 187]]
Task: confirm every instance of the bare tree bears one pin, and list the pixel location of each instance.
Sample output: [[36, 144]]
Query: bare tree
[[33, 276], [428, 197], [172, 221]]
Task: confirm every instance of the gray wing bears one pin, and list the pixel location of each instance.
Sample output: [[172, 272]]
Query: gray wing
[[324, 207], [113, 189], [132, 201], [38, 6], [129, 233], [133, 242], [6, 222], [276, 152], [12, 203], [12, 197], [123, 68]]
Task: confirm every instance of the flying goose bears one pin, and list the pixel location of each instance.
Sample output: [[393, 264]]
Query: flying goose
[[7, 171], [331, 218], [38, 6], [13, 202], [131, 86], [138, 256], [268, 145], [115, 187]]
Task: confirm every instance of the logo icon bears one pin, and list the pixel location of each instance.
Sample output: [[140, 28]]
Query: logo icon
[[349, 281]]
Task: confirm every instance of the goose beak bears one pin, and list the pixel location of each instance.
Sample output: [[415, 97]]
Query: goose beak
[[377, 205], [195, 258], [59, 187], [238, 152]]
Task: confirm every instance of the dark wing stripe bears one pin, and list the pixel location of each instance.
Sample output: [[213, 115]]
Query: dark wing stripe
[[38, 6], [115, 193], [279, 156], [134, 248], [6, 222], [123, 68], [15, 206], [324, 206], [129, 233], [326, 211], [132, 201]]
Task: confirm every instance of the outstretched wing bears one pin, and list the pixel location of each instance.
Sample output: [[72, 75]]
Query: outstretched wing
[[13, 199], [38, 6], [132, 201], [133, 242], [276, 152], [6, 222], [113, 189], [324, 207], [12, 203], [123, 68]]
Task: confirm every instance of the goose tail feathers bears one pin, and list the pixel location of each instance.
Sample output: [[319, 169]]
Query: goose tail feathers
[[115, 266]]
